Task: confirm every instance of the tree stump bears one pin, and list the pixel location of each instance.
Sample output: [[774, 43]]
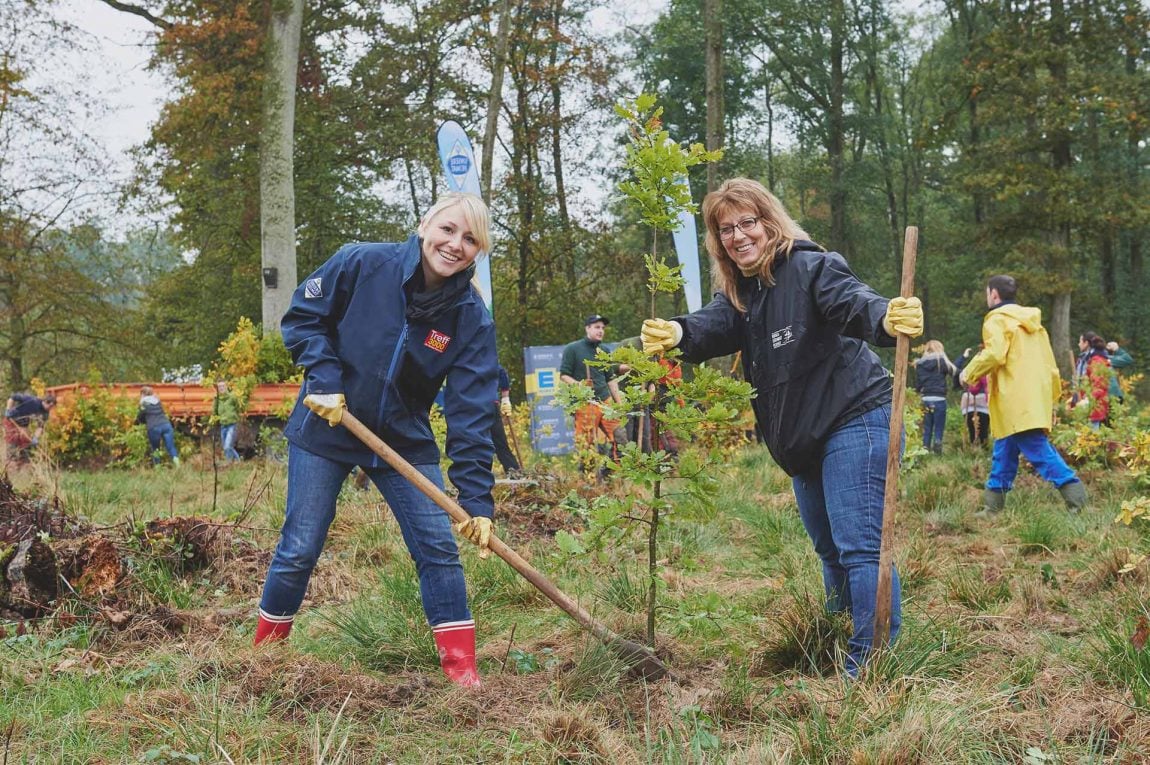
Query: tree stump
[[32, 577]]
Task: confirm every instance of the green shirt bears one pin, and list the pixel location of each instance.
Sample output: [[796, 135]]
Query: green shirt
[[225, 409], [574, 364]]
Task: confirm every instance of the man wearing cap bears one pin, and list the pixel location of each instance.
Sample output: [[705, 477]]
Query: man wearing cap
[[574, 369]]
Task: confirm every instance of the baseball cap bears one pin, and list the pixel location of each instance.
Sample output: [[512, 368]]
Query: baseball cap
[[594, 318]]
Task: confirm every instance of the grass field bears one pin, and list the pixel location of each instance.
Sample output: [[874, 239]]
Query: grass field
[[1016, 645]]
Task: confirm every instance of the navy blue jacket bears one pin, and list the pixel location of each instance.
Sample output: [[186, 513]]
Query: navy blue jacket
[[932, 376], [804, 344], [347, 327]]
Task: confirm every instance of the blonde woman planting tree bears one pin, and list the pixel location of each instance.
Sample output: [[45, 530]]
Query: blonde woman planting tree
[[378, 328]]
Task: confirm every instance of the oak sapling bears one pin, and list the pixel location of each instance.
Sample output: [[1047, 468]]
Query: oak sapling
[[696, 409]]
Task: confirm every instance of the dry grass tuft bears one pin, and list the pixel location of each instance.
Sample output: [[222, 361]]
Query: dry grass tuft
[[302, 684], [575, 739]]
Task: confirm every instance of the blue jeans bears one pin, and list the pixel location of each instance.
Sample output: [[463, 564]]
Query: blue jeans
[[840, 501], [313, 485], [228, 439], [933, 423], [1035, 446], [162, 434]]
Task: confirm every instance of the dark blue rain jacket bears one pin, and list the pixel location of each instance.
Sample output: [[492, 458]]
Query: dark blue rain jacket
[[347, 327]]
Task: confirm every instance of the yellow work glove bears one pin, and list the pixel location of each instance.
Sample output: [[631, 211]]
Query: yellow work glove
[[478, 531], [659, 335], [903, 315], [505, 406], [329, 406]]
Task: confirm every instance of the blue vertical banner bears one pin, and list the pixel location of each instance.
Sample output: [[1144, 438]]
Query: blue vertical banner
[[552, 431], [687, 248], [462, 173]]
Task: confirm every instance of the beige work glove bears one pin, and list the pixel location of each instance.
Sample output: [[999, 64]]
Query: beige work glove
[[659, 335], [329, 406], [478, 531], [903, 315], [505, 406]]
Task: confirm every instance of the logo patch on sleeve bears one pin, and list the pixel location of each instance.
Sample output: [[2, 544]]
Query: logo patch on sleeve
[[437, 341], [313, 288]]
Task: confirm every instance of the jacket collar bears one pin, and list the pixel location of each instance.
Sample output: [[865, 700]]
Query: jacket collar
[[411, 257]]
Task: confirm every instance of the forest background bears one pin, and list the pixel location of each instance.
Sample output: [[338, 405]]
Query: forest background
[[1012, 133]]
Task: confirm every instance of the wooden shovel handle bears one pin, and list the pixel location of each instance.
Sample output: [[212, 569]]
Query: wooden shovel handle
[[459, 515], [890, 495]]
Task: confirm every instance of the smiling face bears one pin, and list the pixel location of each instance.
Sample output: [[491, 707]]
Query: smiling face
[[449, 246], [745, 248]]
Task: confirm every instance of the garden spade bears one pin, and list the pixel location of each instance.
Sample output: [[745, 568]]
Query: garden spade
[[635, 655], [890, 495]]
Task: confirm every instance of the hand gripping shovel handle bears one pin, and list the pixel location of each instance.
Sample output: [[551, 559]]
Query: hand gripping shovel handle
[[882, 609], [634, 654]]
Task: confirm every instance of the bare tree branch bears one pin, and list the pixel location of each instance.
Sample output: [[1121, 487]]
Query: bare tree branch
[[139, 11]]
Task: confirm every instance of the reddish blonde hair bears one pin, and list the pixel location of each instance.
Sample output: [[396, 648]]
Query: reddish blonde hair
[[781, 230]]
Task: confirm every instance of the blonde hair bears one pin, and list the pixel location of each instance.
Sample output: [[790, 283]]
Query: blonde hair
[[934, 350], [780, 228], [474, 212]]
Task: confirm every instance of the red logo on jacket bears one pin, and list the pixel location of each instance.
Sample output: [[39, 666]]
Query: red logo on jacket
[[437, 341]]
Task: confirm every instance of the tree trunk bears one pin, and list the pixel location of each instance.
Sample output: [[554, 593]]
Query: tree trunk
[[557, 135], [277, 173], [713, 32], [836, 131], [495, 96], [1062, 159]]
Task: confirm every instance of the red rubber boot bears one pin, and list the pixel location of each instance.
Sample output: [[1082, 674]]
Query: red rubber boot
[[271, 628], [456, 644]]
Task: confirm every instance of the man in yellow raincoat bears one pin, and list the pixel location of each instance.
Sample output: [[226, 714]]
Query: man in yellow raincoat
[[1023, 387]]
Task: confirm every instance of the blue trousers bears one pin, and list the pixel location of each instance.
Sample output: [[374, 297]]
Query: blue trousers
[[840, 502], [933, 423], [1035, 446], [162, 434], [228, 441], [313, 486]]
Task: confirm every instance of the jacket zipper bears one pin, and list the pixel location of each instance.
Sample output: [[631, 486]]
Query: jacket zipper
[[395, 356]]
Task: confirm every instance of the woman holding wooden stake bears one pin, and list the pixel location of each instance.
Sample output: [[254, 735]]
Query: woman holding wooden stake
[[378, 328], [802, 320]]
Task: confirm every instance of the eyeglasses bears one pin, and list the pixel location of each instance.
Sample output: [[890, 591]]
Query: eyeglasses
[[746, 225]]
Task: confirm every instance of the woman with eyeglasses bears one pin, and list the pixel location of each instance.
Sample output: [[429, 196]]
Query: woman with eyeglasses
[[802, 320]]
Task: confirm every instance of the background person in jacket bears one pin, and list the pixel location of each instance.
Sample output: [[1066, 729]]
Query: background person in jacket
[[226, 413], [933, 374], [802, 320], [1023, 387], [976, 411], [378, 328], [1092, 377], [152, 416], [503, 453], [1119, 359], [590, 424], [24, 417]]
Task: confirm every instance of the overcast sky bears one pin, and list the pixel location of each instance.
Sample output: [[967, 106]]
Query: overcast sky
[[116, 64], [119, 45]]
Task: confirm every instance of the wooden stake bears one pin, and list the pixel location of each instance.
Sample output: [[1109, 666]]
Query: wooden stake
[[890, 496]]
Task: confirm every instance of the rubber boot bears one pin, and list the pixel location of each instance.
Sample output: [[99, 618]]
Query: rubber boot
[[456, 644], [992, 503], [1074, 494], [272, 628]]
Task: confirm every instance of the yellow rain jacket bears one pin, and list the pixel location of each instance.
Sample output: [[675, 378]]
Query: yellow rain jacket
[[1018, 363]]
